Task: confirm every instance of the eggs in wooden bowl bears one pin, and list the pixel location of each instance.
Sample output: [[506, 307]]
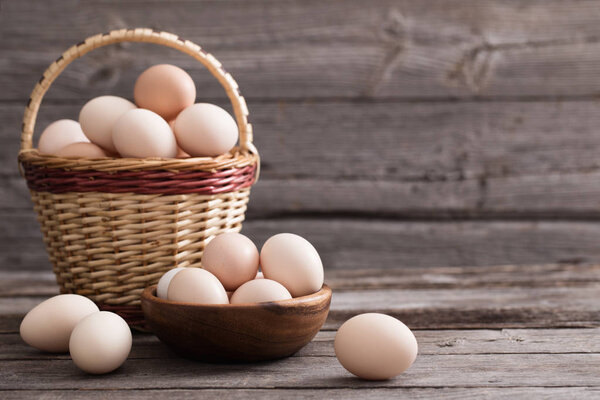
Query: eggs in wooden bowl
[[236, 332]]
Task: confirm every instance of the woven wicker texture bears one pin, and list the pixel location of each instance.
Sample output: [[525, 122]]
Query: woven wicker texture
[[113, 226]]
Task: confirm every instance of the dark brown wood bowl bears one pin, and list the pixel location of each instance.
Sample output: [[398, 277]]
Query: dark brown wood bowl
[[236, 332]]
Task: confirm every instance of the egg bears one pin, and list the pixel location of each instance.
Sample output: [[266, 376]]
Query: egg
[[59, 134], [292, 261], [205, 130], [259, 275], [163, 283], [99, 115], [232, 258], [196, 285], [100, 343], [142, 133], [375, 346], [48, 325], [259, 291], [84, 150], [164, 89]]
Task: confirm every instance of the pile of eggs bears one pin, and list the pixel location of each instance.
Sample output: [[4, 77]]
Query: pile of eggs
[[164, 122], [371, 346], [291, 267], [98, 341]]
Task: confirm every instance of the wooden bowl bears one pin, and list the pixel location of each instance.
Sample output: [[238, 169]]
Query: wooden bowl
[[236, 332]]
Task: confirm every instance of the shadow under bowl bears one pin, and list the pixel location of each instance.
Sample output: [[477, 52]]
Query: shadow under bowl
[[236, 332]]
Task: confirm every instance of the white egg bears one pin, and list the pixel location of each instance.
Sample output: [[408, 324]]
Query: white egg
[[163, 283], [100, 343], [82, 150], [259, 291], [48, 325], [205, 129], [98, 116], [60, 134], [375, 346], [292, 261], [142, 133]]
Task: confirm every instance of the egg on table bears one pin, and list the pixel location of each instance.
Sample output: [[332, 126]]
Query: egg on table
[[232, 258], [98, 116], [142, 133], [48, 325], [205, 130], [375, 346], [196, 285], [259, 291], [292, 261], [59, 134], [100, 343], [165, 89]]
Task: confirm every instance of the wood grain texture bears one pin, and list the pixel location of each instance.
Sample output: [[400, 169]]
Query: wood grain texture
[[481, 370], [414, 142], [478, 341], [510, 297], [392, 48], [582, 393], [379, 243]]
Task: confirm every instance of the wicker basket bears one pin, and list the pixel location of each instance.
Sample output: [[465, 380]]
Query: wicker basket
[[113, 226]]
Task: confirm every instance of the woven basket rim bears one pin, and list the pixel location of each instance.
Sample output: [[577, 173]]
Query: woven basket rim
[[236, 158]]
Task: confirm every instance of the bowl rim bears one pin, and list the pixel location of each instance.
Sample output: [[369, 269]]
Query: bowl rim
[[324, 294]]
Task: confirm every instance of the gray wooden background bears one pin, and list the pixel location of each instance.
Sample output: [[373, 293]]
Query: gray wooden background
[[412, 133]]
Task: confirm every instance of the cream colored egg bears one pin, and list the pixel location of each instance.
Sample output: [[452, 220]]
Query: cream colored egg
[[292, 261], [142, 133], [259, 275], [232, 258], [196, 285], [375, 346], [163, 283], [99, 115], [259, 291], [164, 89], [59, 134], [83, 150], [100, 343], [205, 130], [48, 325]]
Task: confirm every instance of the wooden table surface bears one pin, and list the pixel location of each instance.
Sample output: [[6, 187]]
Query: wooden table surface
[[527, 331]]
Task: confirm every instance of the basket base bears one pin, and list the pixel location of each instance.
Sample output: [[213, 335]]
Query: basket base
[[133, 315]]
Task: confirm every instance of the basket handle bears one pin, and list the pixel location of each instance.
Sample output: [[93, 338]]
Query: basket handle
[[138, 35]]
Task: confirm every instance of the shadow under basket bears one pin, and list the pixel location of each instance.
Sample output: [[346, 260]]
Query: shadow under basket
[[113, 226]]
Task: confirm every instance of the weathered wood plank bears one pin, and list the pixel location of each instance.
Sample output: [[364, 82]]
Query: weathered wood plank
[[480, 341], [569, 302], [412, 142], [374, 243], [474, 370], [42, 283], [582, 393], [321, 49]]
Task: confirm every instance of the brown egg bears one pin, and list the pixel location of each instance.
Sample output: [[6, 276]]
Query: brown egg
[[164, 89], [60, 134], [84, 150], [196, 285], [232, 258]]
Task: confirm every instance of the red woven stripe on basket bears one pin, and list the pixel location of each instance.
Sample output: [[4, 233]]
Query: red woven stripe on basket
[[56, 180]]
